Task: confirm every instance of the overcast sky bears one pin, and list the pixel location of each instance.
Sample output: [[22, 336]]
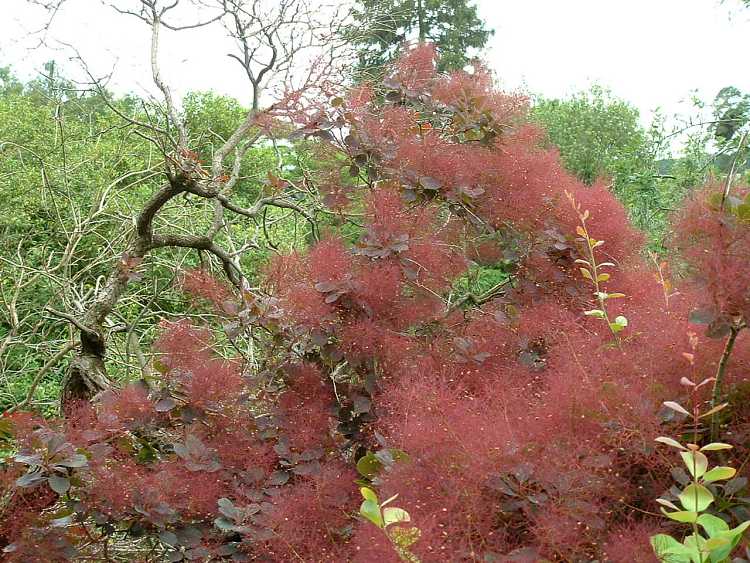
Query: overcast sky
[[650, 52]]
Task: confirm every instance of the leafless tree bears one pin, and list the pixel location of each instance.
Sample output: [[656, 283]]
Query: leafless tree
[[289, 51]]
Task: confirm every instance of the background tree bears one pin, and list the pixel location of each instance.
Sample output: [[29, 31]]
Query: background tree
[[650, 169], [384, 26], [180, 197], [600, 136]]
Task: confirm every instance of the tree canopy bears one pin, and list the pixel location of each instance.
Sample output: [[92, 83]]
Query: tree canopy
[[385, 26]]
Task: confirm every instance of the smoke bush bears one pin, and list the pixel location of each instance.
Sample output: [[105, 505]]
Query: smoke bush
[[512, 425]]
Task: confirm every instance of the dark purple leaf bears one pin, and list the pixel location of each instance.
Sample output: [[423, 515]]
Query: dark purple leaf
[[59, 484], [165, 405]]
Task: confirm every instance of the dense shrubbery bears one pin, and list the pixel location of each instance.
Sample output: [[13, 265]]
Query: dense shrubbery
[[72, 174], [514, 425]]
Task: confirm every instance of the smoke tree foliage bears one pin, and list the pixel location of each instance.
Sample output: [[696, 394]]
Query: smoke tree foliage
[[517, 425]]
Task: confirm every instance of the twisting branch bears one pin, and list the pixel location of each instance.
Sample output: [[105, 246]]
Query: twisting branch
[[271, 38]]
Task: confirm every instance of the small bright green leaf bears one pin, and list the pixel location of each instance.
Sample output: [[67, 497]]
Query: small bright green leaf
[[619, 324], [676, 407], [616, 295], [743, 212], [696, 498], [719, 474], [371, 511], [722, 552], [696, 462], [596, 313], [393, 515], [368, 494], [602, 277], [716, 409], [670, 442], [714, 446], [586, 274], [681, 515], [669, 549], [712, 524], [715, 543]]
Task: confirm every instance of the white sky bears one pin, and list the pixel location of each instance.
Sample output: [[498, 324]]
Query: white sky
[[650, 52]]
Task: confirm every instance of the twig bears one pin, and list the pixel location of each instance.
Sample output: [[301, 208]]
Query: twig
[[40, 374]]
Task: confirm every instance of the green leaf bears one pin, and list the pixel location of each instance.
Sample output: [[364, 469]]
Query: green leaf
[[716, 543], [719, 474], [676, 407], [696, 462], [619, 324], [716, 409], [670, 442], [368, 494], [586, 274], [369, 466], [715, 446], [712, 524], [669, 549], [682, 515], [394, 515], [722, 552], [596, 313], [371, 510], [695, 543], [696, 498]]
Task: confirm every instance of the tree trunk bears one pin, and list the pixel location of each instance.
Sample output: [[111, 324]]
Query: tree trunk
[[421, 20]]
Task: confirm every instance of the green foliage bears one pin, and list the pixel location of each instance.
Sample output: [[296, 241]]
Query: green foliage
[[600, 136], [74, 174], [591, 270], [389, 519], [732, 112], [711, 540], [383, 26]]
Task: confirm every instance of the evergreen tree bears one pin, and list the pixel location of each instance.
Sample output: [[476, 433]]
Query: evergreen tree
[[383, 26]]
